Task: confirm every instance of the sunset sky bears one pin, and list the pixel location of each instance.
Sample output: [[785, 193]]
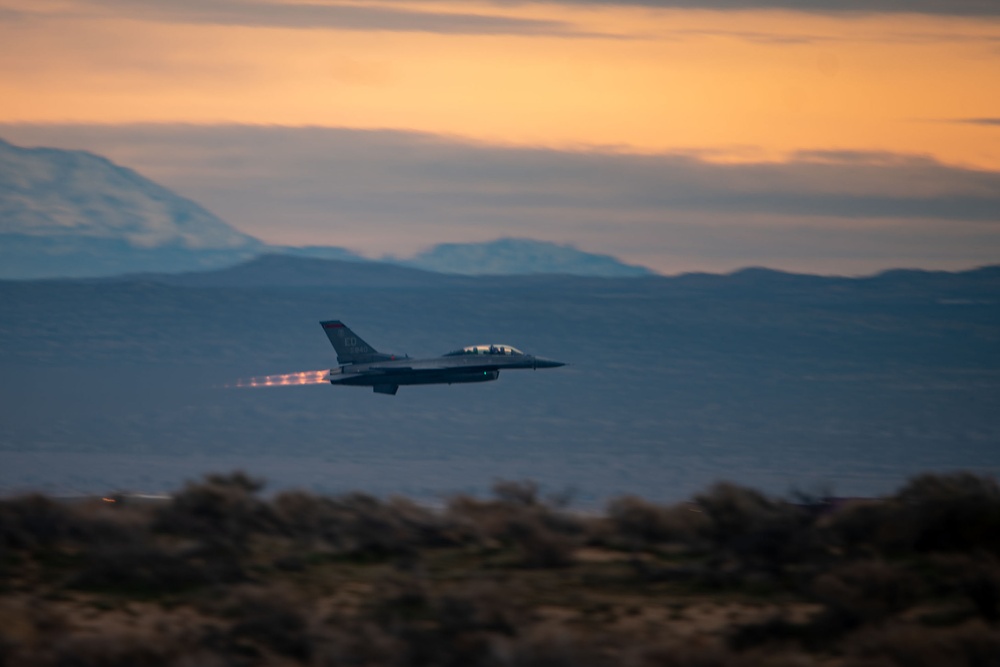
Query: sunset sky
[[735, 134]]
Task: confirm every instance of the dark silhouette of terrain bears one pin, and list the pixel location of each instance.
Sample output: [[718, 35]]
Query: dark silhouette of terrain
[[221, 575]]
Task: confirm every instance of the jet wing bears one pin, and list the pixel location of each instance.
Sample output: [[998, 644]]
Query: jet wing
[[428, 367], [405, 370]]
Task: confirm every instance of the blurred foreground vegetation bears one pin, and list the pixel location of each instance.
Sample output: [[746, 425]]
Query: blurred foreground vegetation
[[221, 575]]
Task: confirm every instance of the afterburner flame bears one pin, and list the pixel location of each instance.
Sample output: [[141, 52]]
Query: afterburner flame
[[286, 380]]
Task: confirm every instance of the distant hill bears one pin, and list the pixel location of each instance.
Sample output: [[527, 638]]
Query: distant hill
[[278, 270], [980, 285], [317, 252], [73, 213], [511, 256], [973, 287]]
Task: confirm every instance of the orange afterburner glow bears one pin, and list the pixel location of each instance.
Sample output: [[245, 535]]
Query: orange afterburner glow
[[285, 380]]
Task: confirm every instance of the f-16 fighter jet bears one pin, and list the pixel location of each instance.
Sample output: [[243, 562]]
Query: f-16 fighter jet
[[362, 366]]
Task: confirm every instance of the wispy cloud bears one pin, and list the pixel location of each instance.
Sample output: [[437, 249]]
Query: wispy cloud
[[978, 121], [11, 15], [934, 7], [686, 80], [757, 37], [396, 192], [346, 16]]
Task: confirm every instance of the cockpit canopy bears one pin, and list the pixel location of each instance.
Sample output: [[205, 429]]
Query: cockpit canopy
[[506, 350]]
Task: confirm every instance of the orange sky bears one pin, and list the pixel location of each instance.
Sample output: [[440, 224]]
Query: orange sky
[[744, 86]]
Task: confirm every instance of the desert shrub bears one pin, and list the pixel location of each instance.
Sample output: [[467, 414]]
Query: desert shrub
[[551, 647], [974, 577], [307, 517], [705, 652], [60, 536], [26, 627], [458, 626], [952, 512], [867, 591], [271, 617], [409, 612], [539, 544], [35, 522], [512, 498], [480, 606], [430, 527], [865, 529], [354, 643], [145, 568], [344, 523], [114, 649], [543, 535], [981, 583], [758, 532], [32, 521], [638, 523], [33, 633], [932, 513], [221, 509], [971, 645], [369, 528], [485, 520], [777, 658], [777, 631], [362, 525]]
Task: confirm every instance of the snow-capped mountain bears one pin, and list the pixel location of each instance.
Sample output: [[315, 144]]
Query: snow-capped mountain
[[69, 214], [73, 213]]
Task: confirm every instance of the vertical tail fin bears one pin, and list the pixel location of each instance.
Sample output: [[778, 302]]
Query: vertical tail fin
[[350, 348]]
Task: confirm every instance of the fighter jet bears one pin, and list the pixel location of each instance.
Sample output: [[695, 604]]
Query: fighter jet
[[361, 366]]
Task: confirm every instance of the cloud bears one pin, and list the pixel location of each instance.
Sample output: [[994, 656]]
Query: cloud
[[756, 37], [12, 15], [978, 121], [397, 192], [333, 16], [934, 7]]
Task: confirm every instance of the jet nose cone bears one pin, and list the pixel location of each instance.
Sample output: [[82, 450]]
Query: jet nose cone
[[541, 362]]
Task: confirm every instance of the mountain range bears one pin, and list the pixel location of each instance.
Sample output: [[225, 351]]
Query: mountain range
[[520, 256], [67, 213]]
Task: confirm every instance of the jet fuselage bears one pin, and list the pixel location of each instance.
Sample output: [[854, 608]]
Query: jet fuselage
[[361, 365]]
